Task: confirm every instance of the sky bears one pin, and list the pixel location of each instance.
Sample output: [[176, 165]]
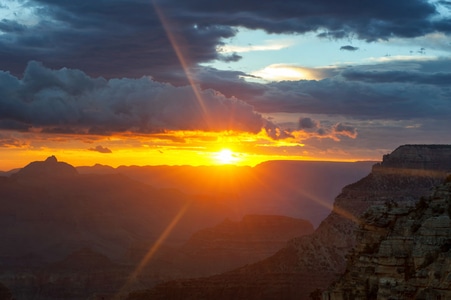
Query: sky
[[152, 82]]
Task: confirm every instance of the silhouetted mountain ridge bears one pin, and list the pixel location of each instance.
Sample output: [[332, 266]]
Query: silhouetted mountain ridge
[[57, 211], [276, 187], [49, 212], [50, 168]]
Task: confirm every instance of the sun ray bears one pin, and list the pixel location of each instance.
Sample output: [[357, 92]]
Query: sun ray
[[183, 62], [164, 235]]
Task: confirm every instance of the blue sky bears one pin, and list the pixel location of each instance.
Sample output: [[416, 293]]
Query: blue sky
[[302, 79], [260, 50]]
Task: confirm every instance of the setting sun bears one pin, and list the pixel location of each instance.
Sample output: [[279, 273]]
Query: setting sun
[[226, 156]]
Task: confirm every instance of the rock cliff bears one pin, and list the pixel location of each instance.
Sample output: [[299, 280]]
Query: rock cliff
[[401, 252], [424, 157], [313, 262]]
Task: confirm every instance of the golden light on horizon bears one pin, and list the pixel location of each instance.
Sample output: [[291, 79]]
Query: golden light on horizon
[[196, 148], [226, 157]]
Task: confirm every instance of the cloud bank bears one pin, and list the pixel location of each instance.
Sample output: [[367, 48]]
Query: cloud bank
[[133, 38], [69, 101]]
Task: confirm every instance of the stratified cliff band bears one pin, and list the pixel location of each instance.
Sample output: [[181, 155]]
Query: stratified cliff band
[[402, 252]]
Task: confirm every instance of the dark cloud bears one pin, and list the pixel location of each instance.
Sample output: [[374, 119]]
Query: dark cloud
[[124, 38], [446, 3], [8, 26], [8, 124], [322, 132], [132, 38], [346, 130], [307, 123], [100, 149], [312, 129], [375, 91], [69, 101], [416, 77], [230, 58], [229, 83], [367, 20], [349, 48]]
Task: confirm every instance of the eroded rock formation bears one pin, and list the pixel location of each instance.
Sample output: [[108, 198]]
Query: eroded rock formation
[[402, 252]]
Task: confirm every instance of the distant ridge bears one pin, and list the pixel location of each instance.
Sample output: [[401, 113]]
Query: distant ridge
[[50, 168]]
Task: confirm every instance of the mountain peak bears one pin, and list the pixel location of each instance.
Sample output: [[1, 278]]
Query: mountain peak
[[51, 159], [50, 168]]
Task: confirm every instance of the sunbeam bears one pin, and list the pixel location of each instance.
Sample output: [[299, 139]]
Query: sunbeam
[[164, 235], [175, 43]]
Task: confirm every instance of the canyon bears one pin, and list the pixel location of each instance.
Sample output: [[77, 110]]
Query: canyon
[[73, 233], [310, 264], [229, 232]]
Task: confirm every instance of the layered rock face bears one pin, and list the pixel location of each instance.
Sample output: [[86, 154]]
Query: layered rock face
[[425, 157], [315, 261], [402, 252]]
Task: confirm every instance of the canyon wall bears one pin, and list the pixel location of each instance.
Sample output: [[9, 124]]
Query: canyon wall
[[401, 252]]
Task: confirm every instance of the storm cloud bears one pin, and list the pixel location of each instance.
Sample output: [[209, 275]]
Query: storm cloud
[[361, 94], [70, 101], [307, 123], [438, 78], [123, 66], [132, 38]]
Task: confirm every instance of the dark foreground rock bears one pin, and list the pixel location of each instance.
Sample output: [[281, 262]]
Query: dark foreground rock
[[402, 253]]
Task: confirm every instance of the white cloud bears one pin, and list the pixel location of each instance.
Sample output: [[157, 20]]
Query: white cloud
[[286, 72], [400, 58], [268, 45]]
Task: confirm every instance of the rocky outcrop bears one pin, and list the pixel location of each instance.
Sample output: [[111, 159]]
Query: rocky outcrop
[[313, 262], [402, 252], [420, 157]]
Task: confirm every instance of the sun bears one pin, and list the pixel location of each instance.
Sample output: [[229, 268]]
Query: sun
[[226, 156]]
